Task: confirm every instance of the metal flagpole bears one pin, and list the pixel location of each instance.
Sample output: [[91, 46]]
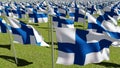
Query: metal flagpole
[[49, 36], [14, 50], [11, 41], [52, 41], [50, 32], [85, 18]]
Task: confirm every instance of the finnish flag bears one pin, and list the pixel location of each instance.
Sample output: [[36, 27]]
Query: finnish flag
[[62, 22], [82, 47], [111, 12], [8, 11], [25, 34], [62, 12], [100, 25], [78, 15], [18, 13], [92, 9], [37, 16]]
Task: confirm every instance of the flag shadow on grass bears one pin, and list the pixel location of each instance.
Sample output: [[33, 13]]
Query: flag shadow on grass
[[109, 65], [21, 62], [6, 46], [43, 27], [35, 24], [78, 25], [50, 43]]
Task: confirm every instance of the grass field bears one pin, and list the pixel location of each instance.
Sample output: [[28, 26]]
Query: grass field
[[32, 56]]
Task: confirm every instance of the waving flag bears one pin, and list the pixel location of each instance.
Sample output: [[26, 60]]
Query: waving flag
[[62, 22], [18, 13], [37, 16], [8, 11], [62, 12], [51, 10], [77, 14], [92, 9], [101, 24], [82, 47], [111, 12], [25, 34]]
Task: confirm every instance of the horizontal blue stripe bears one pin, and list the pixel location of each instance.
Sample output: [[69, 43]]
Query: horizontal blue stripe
[[111, 13], [28, 6], [62, 14], [42, 15], [115, 35], [15, 11], [71, 15], [66, 47], [97, 27], [38, 15]]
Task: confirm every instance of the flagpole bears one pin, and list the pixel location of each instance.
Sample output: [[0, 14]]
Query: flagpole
[[52, 41], [51, 38], [84, 18], [14, 50], [11, 41]]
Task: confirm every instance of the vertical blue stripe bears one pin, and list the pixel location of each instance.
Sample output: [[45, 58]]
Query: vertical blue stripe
[[3, 26], [24, 31]]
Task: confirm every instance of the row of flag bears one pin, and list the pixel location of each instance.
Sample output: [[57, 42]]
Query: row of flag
[[39, 11], [20, 10]]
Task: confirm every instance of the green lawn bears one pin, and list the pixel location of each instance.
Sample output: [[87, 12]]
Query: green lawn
[[32, 56]]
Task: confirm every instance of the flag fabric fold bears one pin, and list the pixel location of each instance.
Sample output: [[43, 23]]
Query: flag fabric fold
[[25, 34]]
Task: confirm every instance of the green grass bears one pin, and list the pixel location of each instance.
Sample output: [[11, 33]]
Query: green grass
[[31, 56]]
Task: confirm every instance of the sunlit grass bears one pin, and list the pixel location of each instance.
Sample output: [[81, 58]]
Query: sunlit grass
[[32, 56]]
